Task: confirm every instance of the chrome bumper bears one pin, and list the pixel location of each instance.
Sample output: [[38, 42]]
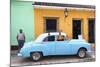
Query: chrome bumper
[[19, 54]]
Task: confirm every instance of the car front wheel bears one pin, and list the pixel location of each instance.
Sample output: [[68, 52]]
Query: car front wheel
[[36, 56], [81, 53]]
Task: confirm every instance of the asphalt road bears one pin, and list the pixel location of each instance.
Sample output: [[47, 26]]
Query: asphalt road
[[19, 61]]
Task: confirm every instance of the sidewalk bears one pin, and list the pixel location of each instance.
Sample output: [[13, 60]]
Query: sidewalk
[[13, 52]]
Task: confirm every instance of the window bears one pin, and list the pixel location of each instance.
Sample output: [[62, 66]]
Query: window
[[61, 38], [51, 24], [49, 38]]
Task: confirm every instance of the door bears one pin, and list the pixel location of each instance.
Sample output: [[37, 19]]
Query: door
[[91, 31], [49, 45], [62, 46], [51, 25], [76, 28]]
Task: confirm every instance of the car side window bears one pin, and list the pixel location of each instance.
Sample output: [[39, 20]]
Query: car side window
[[61, 38], [49, 38]]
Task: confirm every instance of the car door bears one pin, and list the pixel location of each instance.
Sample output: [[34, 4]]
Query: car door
[[63, 47], [49, 45]]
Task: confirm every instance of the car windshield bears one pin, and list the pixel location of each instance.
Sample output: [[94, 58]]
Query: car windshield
[[40, 38]]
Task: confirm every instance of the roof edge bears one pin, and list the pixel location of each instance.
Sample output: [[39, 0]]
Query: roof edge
[[64, 5]]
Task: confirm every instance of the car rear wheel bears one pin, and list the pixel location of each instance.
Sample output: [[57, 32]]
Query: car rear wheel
[[81, 53], [36, 56]]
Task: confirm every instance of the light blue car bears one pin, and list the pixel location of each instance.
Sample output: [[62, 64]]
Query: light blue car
[[54, 43]]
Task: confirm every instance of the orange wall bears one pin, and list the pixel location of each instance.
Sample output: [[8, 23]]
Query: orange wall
[[65, 24]]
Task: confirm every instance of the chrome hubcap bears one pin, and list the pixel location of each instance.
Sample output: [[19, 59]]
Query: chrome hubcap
[[82, 53], [36, 56]]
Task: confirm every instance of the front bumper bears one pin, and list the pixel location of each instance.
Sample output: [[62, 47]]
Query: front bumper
[[23, 55], [24, 52], [19, 54]]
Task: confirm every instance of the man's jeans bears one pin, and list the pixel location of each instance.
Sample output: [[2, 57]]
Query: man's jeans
[[20, 44]]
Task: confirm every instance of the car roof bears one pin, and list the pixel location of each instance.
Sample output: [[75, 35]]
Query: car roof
[[42, 36], [54, 33]]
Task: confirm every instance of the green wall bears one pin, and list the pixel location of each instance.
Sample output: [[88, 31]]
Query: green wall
[[22, 17]]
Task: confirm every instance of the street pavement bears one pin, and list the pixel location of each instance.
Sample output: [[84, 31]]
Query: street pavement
[[19, 61]]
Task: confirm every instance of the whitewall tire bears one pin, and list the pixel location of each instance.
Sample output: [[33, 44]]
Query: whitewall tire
[[36, 56], [81, 53]]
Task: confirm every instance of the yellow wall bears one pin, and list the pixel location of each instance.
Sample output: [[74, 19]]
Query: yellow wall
[[65, 24]]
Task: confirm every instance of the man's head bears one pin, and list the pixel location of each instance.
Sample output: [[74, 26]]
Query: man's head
[[20, 30]]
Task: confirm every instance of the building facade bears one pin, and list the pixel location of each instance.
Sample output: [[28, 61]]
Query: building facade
[[36, 18], [22, 17], [80, 20]]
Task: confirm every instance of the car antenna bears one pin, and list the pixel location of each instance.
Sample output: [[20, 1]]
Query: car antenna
[[60, 32], [48, 33]]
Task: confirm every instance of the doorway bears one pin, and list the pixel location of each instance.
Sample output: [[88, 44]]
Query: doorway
[[91, 31], [76, 28]]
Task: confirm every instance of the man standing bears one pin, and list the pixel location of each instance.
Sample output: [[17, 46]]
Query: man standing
[[21, 39]]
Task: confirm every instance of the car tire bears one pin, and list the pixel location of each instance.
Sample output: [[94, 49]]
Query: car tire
[[81, 53], [36, 56]]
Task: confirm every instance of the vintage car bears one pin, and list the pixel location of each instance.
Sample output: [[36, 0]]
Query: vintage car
[[54, 43]]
